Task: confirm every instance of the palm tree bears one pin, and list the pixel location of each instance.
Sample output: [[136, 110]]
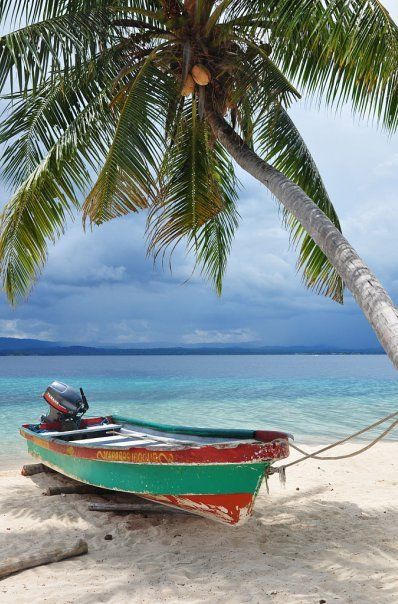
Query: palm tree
[[142, 105]]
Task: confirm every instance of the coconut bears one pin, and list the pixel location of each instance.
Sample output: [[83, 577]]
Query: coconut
[[189, 86], [201, 74]]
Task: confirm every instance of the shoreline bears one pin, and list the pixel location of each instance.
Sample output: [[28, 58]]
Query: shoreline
[[331, 534]]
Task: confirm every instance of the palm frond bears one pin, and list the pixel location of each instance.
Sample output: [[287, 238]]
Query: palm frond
[[342, 51], [57, 36], [38, 211], [257, 76], [197, 200], [281, 144], [127, 181], [241, 9], [35, 122], [28, 11], [184, 203], [35, 214], [39, 51], [213, 241]]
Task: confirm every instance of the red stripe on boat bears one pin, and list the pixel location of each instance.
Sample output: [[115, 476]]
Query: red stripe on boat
[[240, 453], [232, 508]]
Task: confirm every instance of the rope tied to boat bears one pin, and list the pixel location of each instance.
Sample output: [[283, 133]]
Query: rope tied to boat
[[281, 470]]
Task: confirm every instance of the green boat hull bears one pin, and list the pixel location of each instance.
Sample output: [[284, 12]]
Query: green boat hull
[[156, 479], [223, 492]]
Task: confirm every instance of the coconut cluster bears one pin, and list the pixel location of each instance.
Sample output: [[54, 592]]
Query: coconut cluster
[[199, 75]]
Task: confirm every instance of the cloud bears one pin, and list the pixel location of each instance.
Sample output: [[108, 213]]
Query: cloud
[[232, 336], [388, 167], [17, 328], [372, 229], [127, 332], [87, 276]]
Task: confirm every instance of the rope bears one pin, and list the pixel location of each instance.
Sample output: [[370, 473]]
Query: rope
[[376, 440], [315, 455]]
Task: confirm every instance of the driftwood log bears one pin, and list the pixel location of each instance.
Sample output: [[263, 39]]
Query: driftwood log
[[143, 508], [35, 468], [78, 489], [14, 565]]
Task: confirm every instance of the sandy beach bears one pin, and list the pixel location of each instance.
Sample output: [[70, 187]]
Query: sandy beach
[[330, 536]]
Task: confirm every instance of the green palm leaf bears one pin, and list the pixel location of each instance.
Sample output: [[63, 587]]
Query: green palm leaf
[[256, 75], [35, 122], [35, 214], [198, 195], [127, 181], [38, 211], [32, 10], [40, 51], [212, 243], [342, 51]]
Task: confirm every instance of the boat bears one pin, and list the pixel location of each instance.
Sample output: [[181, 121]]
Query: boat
[[215, 473]]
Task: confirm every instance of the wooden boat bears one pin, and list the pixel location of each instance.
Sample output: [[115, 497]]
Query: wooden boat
[[212, 472]]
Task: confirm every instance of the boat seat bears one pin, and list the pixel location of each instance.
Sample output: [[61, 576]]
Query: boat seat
[[102, 428], [102, 439], [115, 441], [182, 439]]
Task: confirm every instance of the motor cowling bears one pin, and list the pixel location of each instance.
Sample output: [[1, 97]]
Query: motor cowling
[[67, 405]]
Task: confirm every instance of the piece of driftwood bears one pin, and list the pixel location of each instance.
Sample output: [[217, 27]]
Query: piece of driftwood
[[35, 468], [79, 489], [14, 565], [143, 508]]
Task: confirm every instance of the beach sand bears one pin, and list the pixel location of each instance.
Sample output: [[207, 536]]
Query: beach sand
[[330, 535]]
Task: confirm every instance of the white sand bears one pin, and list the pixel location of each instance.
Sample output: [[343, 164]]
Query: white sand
[[334, 539]]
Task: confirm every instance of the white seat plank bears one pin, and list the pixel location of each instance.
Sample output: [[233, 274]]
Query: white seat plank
[[118, 441], [102, 439], [97, 428], [195, 441], [163, 439]]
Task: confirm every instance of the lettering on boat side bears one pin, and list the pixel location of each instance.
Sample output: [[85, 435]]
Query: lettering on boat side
[[136, 456]]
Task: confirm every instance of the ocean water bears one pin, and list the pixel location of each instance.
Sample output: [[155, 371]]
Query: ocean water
[[317, 398]]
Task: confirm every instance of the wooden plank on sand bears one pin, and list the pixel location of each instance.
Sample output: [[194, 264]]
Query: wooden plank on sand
[[14, 565], [79, 489], [143, 508], [35, 468]]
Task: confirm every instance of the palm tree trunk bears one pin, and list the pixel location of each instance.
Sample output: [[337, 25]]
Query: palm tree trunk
[[368, 292]]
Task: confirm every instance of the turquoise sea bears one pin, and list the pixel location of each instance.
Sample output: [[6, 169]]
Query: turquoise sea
[[316, 398]]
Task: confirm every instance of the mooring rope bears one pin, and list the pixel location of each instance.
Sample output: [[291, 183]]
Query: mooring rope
[[282, 469]]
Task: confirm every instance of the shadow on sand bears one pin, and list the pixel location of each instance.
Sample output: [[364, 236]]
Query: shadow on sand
[[299, 548]]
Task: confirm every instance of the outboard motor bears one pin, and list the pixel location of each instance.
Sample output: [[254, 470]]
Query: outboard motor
[[67, 405]]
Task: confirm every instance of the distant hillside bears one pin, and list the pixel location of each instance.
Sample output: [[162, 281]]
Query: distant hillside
[[15, 344], [26, 347]]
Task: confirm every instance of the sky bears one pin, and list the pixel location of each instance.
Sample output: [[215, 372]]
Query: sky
[[99, 287]]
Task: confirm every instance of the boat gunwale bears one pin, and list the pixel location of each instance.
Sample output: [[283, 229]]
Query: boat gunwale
[[240, 434], [242, 452]]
